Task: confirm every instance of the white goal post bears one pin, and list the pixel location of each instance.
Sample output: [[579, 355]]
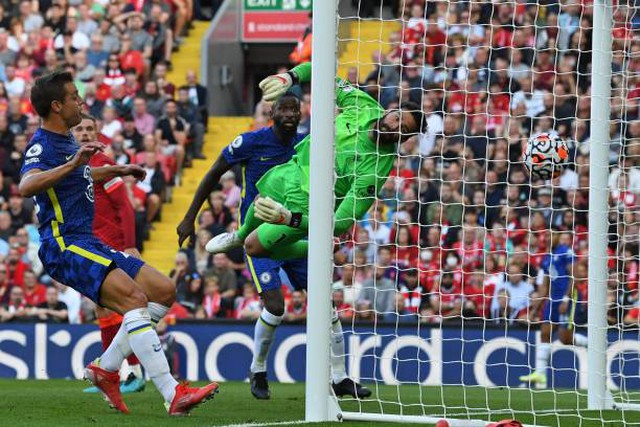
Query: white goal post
[[593, 364]]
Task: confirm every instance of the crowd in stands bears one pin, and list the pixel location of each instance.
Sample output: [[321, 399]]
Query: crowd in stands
[[460, 229], [119, 52]]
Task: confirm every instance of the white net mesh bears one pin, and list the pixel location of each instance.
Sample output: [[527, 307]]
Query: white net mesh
[[451, 283]]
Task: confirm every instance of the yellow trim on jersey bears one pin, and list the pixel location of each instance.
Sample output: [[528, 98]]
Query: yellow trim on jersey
[[89, 255], [56, 204], [55, 229], [253, 274], [243, 192]]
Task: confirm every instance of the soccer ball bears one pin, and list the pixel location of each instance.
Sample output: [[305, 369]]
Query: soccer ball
[[545, 156]]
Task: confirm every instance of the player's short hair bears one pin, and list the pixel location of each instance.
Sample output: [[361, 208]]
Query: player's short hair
[[49, 88], [286, 95], [417, 113], [86, 116]]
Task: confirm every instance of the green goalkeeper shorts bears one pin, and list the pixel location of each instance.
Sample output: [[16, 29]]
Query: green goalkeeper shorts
[[282, 184]]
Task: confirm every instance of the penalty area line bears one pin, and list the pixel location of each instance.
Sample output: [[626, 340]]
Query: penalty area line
[[280, 423]]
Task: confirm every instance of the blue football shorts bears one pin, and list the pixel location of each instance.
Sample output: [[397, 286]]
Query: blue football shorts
[[82, 263]]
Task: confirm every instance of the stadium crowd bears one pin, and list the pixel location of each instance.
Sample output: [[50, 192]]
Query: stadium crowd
[[459, 229], [119, 53]]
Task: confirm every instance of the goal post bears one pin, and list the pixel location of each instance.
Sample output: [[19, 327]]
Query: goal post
[[317, 399], [460, 213], [599, 205]]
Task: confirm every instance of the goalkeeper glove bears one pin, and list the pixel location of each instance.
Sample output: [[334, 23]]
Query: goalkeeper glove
[[268, 210], [273, 87]]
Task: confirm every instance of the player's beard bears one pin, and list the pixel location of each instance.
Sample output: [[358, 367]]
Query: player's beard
[[384, 135], [285, 126]]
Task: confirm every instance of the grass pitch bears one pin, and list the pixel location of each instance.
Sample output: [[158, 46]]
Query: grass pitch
[[62, 403]]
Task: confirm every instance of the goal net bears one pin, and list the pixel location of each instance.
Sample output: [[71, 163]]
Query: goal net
[[464, 291]]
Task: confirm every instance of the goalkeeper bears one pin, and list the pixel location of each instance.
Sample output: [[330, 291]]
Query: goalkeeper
[[366, 143]]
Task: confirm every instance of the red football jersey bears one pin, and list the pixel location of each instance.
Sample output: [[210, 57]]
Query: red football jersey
[[114, 221]]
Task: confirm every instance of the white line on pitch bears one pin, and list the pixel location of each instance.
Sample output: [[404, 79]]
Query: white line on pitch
[[282, 423]]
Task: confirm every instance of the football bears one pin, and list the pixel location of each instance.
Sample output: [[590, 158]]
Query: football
[[545, 155]]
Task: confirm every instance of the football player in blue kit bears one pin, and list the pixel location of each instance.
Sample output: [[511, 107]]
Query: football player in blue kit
[[257, 152], [559, 297], [56, 174]]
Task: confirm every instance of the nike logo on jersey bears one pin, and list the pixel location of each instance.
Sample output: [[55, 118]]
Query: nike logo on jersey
[[264, 159], [157, 347], [69, 157], [348, 128]]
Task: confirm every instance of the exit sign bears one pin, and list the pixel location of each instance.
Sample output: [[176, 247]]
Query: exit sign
[[277, 5]]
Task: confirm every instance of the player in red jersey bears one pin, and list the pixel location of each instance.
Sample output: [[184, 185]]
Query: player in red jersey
[[114, 224]]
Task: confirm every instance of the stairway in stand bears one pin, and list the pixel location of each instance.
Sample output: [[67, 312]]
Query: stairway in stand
[[161, 248]]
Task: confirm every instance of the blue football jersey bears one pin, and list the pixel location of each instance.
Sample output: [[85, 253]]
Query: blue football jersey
[[257, 152], [66, 209], [558, 266]]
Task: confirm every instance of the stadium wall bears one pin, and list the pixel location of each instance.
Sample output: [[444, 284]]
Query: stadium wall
[[222, 351]]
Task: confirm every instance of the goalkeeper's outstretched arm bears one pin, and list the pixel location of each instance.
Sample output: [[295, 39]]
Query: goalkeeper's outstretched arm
[[207, 185]]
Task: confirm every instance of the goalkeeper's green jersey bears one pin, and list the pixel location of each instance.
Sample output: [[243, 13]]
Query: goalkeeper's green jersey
[[362, 166]]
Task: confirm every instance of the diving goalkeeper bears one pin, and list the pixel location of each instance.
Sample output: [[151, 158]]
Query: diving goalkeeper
[[366, 145]]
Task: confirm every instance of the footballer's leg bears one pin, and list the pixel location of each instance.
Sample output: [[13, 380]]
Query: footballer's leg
[[340, 382], [265, 275], [137, 333], [543, 348]]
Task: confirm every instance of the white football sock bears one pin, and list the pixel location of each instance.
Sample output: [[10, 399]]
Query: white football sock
[[146, 345], [157, 311], [543, 350], [118, 350], [112, 358], [263, 338], [338, 370], [580, 340]]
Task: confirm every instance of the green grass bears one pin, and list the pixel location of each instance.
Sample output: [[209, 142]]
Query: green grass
[[62, 403]]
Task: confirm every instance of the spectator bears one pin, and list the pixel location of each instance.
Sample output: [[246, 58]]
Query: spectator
[[188, 283], [172, 131], [302, 51], [248, 306], [189, 111], [446, 301], [212, 299], [203, 260], [16, 309], [145, 122], [518, 293], [377, 296], [72, 300], [344, 310], [5, 285], [348, 285], [169, 347], [29, 251], [415, 296], [198, 95], [228, 281], [297, 309], [34, 292], [52, 309]]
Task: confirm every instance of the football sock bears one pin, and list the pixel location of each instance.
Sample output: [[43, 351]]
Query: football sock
[[543, 350], [113, 357], [249, 224], [263, 338], [338, 371], [291, 251], [580, 340], [146, 345], [157, 311]]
